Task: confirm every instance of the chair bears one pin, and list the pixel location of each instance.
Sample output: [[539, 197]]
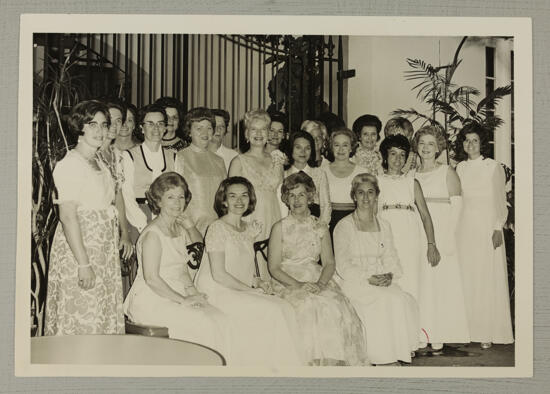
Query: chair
[[260, 247], [195, 251]]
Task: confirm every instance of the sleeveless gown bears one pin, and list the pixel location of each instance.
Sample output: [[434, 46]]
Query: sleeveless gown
[[206, 326], [441, 297], [405, 226]]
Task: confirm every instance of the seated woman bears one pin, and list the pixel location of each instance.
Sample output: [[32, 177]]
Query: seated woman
[[268, 332], [331, 331], [301, 148], [163, 293], [367, 262]]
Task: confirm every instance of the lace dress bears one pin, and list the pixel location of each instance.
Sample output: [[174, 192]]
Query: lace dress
[[268, 332], [441, 298], [207, 326], [70, 310], [265, 184], [389, 314], [330, 328], [484, 270], [369, 160]]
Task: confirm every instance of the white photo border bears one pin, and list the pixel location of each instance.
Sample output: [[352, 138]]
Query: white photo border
[[519, 28]]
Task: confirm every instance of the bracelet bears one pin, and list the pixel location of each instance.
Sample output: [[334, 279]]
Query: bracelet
[[431, 243], [85, 265]]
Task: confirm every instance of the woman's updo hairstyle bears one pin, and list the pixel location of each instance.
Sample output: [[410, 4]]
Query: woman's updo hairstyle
[[166, 181]]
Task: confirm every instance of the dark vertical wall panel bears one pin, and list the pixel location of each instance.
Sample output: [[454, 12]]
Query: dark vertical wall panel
[[322, 73], [330, 53], [185, 97], [151, 49], [139, 72], [162, 71], [340, 78]]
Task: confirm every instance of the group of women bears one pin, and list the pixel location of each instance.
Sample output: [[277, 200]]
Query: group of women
[[370, 256]]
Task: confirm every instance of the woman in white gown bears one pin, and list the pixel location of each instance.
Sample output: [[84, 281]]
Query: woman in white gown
[[267, 327], [480, 240], [331, 331], [400, 202], [163, 293], [367, 264], [440, 297]]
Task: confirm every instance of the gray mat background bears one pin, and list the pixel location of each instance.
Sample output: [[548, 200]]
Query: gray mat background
[[539, 10]]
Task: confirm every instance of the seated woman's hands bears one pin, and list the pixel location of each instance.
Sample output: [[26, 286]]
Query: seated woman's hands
[[263, 286], [313, 288], [382, 280]]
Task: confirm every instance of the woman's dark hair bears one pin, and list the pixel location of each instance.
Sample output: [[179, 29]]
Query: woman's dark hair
[[347, 132], [198, 114], [331, 121], [143, 111], [163, 183], [221, 195], [471, 128], [116, 104], [171, 102], [394, 141], [84, 112], [277, 116], [136, 133], [293, 137], [222, 113], [366, 121], [294, 180]]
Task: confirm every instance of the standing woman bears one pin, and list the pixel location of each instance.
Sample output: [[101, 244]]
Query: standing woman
[[202, 169], [126, 137], [111, 156], [173, 138], [400, 199], [441, 297], [340, 173], [302, 158], [320, 135], [367, 129], [84, 293], [480, 240], [269, 335], [263, 170]]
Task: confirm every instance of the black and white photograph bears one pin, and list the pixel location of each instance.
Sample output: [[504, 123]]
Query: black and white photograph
[[275, 196]]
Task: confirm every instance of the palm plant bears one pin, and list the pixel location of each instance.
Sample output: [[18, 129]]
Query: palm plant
[[52, 97], [452, 103]]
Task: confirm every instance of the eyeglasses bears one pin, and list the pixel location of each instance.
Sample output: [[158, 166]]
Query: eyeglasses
[[159, 125], [95, 126]]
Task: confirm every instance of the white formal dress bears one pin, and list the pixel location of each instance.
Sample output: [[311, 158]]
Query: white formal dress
[[389, 314], [484, 270], [441, 297], [269, 334]]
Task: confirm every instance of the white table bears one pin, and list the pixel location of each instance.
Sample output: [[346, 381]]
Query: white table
[[120, 349]]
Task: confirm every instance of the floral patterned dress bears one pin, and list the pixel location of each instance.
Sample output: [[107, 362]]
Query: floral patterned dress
[[70, 310], [370, 160], [329, 326]]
